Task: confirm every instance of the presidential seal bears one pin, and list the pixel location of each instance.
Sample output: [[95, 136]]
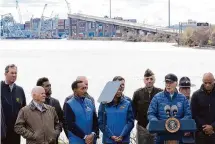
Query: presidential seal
[[172, 125]]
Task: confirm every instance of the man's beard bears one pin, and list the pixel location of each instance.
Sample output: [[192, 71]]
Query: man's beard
[[48, 94]]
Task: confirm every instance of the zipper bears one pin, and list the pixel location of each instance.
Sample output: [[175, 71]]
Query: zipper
[[209, 103], [209, 108]]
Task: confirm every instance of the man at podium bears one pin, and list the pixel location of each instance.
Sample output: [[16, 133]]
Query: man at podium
[[169, 103]]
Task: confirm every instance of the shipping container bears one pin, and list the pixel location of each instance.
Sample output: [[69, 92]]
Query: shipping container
[[60, 27], [27, 22], [67, 22], [61, 22], [27, 27]]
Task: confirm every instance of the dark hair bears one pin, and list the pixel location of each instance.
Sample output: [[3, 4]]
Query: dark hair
[[40, 81], [119, 78], [75, 84], [148, 73], [10, 66]]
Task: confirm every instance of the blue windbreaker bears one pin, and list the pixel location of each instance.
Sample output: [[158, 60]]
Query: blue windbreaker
[[118, 121]]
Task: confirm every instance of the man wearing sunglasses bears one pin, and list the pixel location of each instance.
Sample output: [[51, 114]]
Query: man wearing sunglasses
[[141, 100], [203, 110]]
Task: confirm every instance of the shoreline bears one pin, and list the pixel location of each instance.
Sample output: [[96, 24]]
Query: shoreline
[[205, 47]]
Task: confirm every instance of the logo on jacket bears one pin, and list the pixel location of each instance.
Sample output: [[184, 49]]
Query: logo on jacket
[[122, 107], [179, 104], [88, 109], [18, 100]]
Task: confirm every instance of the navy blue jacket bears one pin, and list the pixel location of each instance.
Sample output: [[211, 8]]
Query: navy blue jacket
[[81, 119], [11, 103], [118, 120]]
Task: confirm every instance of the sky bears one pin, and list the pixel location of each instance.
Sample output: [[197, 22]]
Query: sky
[[153, 12]]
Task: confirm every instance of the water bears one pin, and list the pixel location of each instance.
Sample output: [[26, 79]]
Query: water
[[62, 61]]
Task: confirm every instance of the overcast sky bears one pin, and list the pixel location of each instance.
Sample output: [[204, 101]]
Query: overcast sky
[[151, 11]]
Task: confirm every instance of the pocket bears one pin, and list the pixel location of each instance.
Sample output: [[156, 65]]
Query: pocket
[[37, 136], [52, 138]]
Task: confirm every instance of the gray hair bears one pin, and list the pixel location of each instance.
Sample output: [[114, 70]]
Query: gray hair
[[10, 66]]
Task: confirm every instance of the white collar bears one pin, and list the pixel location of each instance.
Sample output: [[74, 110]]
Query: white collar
[[11, 85]]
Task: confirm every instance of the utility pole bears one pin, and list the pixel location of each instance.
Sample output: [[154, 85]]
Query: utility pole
[[169, 12], [110, 8]]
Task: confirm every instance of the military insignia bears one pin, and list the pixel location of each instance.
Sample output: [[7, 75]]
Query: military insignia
[[18, 100]]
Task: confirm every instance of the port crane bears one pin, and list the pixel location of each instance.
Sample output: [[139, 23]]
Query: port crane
[[41, 19], [68, 6], [19, 12]]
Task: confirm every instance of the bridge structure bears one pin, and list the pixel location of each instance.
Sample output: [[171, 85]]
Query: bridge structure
[[80, 21]]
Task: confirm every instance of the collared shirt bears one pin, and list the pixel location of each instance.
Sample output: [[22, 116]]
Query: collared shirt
[[38, 106], [11, 85]]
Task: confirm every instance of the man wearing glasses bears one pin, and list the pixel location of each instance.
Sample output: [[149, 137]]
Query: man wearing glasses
[[203, 110], [141, 100]]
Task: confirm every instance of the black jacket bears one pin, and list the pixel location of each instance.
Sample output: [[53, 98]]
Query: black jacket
[[141, 101], [11, 103], [203, 107]]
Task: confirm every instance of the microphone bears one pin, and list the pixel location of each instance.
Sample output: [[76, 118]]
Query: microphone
[[174, 110], [167, 110]]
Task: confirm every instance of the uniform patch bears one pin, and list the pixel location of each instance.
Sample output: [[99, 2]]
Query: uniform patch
[[122, 107], [18, 100]]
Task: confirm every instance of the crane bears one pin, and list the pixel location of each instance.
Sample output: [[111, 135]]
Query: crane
[[19, 12], [41, 19], [68, 6], [51, 14]]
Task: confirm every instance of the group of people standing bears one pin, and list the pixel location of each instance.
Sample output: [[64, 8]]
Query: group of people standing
[[43, 119]]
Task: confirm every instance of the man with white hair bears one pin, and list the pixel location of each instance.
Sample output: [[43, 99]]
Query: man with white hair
[[38, 122]]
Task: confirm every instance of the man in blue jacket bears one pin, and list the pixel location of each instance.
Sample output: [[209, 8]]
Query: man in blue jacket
[[80, 116], [169, 96], [116, 119]]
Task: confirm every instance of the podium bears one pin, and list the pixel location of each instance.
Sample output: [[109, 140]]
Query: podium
[[159, 127]]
